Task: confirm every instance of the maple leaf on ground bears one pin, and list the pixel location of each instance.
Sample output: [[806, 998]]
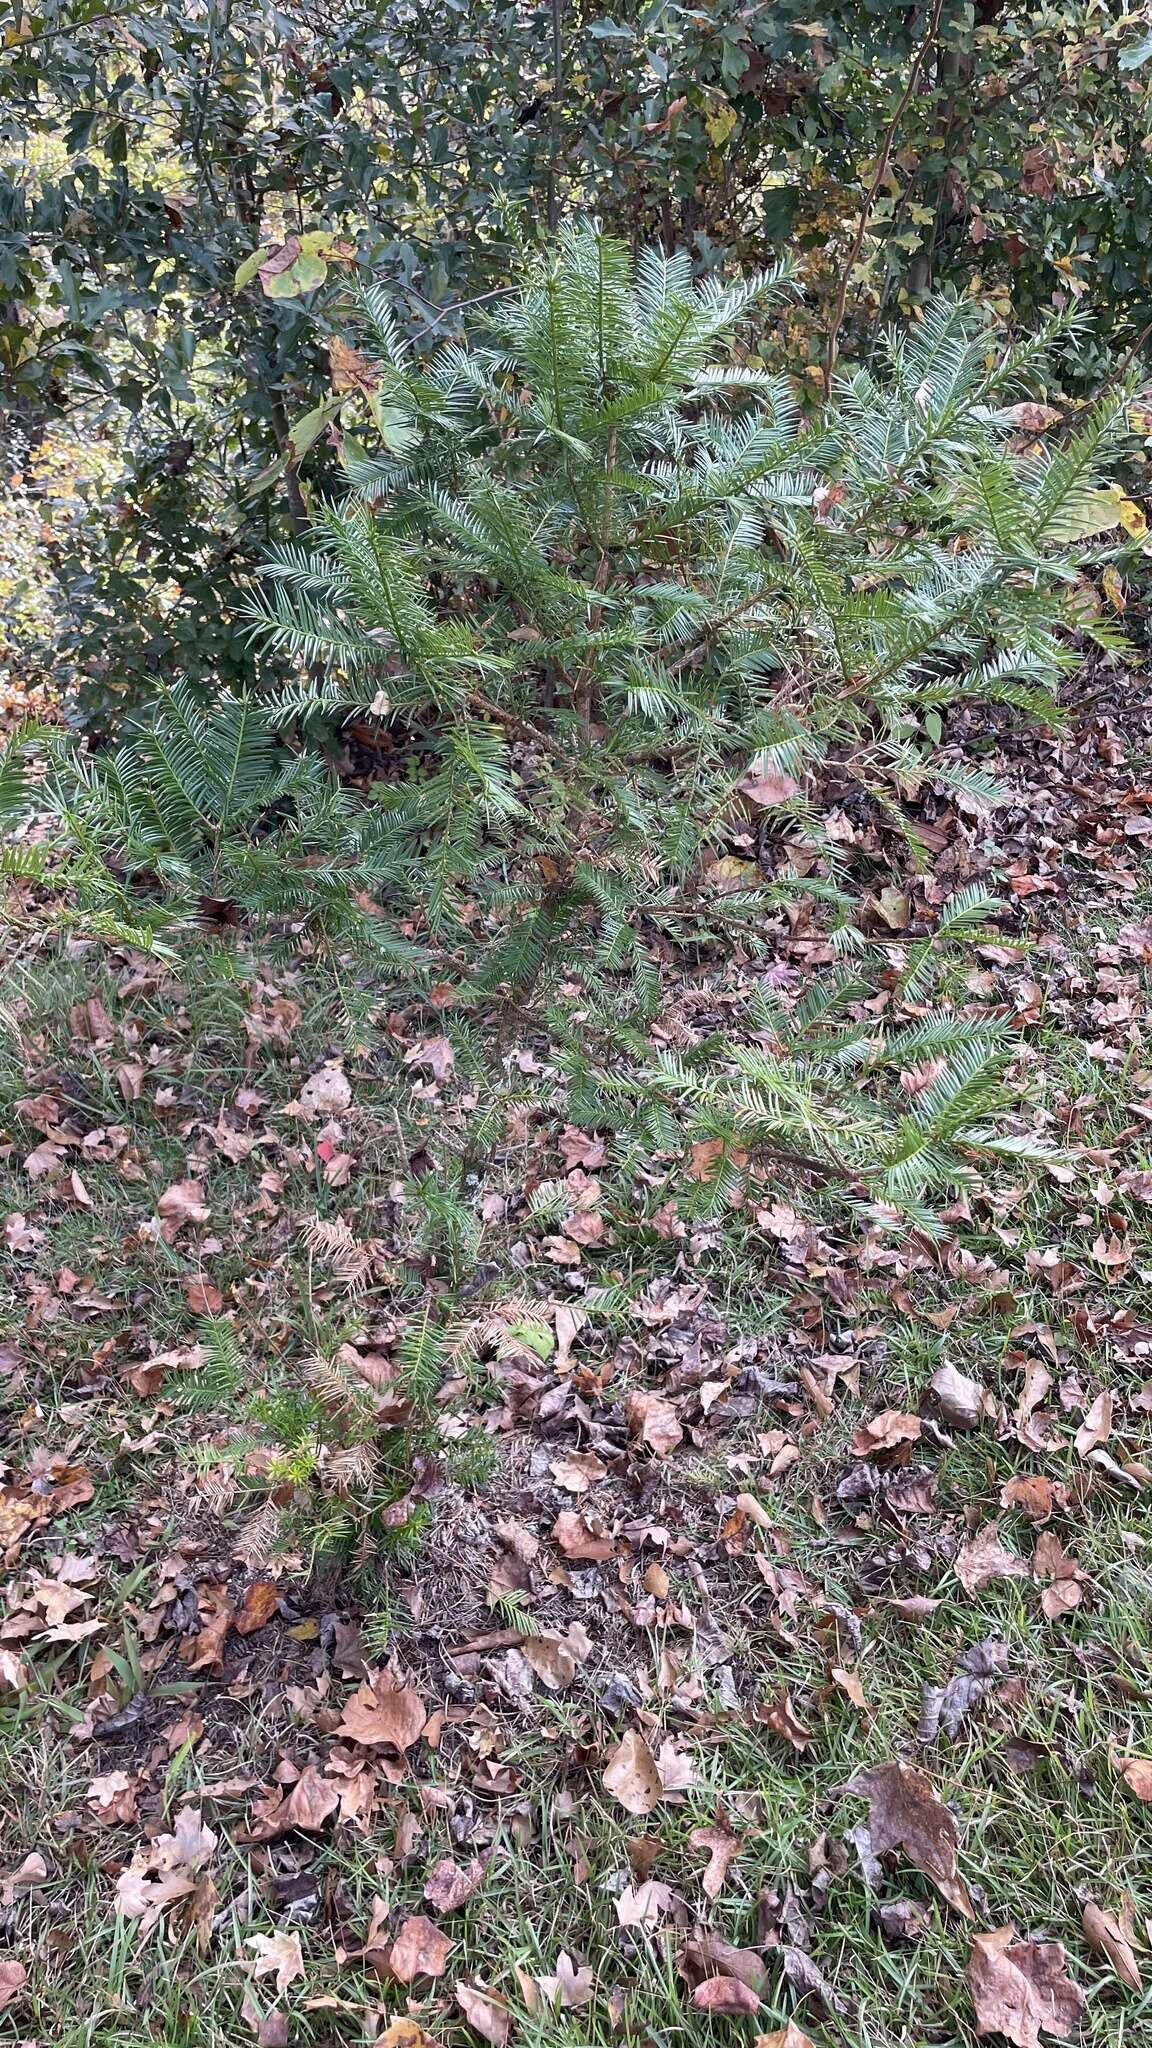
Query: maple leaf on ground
[[790, 2036], [632, 1776], [419, 1950], [567, 1989], [385, 1710], [113, 1798], [165, 1870], [644, 1905], [278, 1952], [905, 1813], [1021, 1989], [983, 1557]]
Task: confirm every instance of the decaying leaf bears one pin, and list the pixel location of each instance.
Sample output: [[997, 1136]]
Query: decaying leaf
[[1021, 1989], [485, 2013], [781, 1717], [1034, 1495], [722, 1848], [631, 1775], [946, 1706], [1059, 1574], [419, 1950], [905, 1813], [726, 1995], [448, 1886], [308, 1804], [885, 1432], [568, 1988], [983, 1557], [1136, 1772], [962, 1402], [643, 1905], [1096, 1427], [790, 2036], [654, 1422], [326, 1093], [386, 1711], [279, 1953], [13, 1978], [1113, 1936]]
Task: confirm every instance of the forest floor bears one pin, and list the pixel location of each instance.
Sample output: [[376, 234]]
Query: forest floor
[[767, 1621]]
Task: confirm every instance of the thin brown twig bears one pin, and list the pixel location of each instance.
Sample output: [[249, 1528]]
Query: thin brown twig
[[870, 197]]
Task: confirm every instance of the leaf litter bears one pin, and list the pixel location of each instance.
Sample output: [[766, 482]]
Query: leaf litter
[[598, 1573]]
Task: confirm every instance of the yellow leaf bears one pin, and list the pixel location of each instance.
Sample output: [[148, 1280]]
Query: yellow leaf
[[720, 125]]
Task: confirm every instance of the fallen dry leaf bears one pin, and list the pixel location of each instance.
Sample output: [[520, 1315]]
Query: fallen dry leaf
[[180, 1204], [885, 1432], [961, 1401], [1136, 1772], [1021, 1989], [984, 1558], [13, 1978], [386, 1710], [725, 1995], [632, 1776], [582, 1537], [448, 1886], [568, 1988], [1096, 1427], [577, 1471], [790, 2036], [326, 1093], [113, 1798], [654, 1421], [905, 1813], [1060, 1575], [780, 1716], [279, 1953], [419, 1950], [1035, 1496], [1113, 1937], [484, 2012], [257, 1607], [722, 1847], [643, 1905], [309, 1803]]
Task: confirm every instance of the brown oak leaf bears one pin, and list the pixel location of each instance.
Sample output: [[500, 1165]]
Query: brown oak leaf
[[1021, 1989], [904, 1813]]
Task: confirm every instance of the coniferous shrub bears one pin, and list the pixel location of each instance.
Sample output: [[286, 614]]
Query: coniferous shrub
[[595, 574]]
